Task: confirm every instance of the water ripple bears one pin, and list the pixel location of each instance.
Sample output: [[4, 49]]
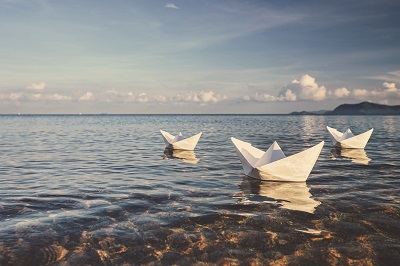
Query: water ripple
[[100, 190]]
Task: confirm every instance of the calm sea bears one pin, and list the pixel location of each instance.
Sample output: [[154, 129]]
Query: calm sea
[[99, 190]]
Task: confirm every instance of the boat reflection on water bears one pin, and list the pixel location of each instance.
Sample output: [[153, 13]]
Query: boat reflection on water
[[183, 155], [355, 155], [289, 195]]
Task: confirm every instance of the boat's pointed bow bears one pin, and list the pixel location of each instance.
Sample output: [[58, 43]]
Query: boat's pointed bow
[[248, 155], [320, 146], [335, 135], [168, 138], [275, 146]]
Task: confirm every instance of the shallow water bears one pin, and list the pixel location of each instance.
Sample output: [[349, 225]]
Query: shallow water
[[100, 190]]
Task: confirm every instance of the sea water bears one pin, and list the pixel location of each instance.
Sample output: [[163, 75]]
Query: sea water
[[101, 190]]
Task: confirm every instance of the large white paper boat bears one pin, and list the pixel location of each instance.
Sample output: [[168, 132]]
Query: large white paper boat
[[347, 140], [273, 165], [178, 142], [289, 195]]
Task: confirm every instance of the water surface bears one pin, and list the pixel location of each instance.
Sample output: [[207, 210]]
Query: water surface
[[100, 190]]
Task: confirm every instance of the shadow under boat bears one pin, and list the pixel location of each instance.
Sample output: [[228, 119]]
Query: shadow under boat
[[183, 155], [289, 195], [355, 155]]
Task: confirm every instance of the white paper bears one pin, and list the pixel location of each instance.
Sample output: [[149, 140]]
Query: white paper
[[273, 165], [178, 142], [348, 140]]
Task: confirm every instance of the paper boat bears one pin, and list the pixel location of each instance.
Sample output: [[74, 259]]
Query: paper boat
[[183, 155], [273, 165], [289, 195], [347, 140], [178, 142]]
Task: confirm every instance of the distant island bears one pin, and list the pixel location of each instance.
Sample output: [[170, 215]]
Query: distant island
[[364, 108]]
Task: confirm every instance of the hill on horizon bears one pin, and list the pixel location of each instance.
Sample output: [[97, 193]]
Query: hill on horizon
[[363, 108]]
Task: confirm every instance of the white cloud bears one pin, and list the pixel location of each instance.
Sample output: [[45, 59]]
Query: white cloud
[[56, 97], [390, 87], [161, 98], [202, 97], [286, 95], [88, 96], [114, 95], [48, 97], [37, 96], [37, 86], [306, 88], [143, 98], [388, 92], [341, 92], [208, 96], [360, 93], [309, 89], [15, 96], [171, 5], [262, 97]]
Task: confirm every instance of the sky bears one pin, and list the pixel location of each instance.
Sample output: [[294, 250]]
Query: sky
[[190, 56]]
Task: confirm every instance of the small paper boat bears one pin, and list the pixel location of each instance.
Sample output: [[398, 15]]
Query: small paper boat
[[289, 195], [178, 142], [347, 140], [273, 165]]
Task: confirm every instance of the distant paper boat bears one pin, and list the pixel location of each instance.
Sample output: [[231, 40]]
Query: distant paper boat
[[183, 155], [289, 195], [178, 142], [347, 140], [273, 165]]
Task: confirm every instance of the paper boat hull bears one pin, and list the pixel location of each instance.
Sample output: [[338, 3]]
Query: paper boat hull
[[187, 144], [295, 168], [357, 142]]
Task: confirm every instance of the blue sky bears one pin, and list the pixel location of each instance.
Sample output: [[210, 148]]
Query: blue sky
[[190, 56]]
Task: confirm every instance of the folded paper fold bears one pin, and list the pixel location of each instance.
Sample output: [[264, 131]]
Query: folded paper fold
[[348, 140], [178, 142], [273, 165]]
